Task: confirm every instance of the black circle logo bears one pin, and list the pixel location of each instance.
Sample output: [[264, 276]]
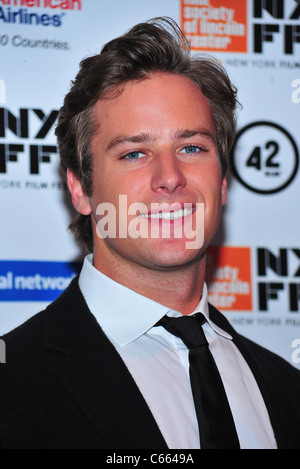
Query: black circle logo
[[265, 157]]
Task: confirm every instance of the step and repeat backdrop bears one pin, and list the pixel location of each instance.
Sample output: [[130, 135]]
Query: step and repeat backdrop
[[254, 263]]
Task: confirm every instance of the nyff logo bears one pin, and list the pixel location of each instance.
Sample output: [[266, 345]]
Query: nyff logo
[[286, 26], [285, 266], [21, 128]]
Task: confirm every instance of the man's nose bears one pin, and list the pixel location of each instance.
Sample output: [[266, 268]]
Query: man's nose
[[168, 174]]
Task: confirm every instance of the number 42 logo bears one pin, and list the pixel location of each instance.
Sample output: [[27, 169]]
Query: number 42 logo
[[255, 158], [265, 157]]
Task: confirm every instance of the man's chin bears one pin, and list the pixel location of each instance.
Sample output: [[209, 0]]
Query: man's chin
[[172, 258], [153, 254]]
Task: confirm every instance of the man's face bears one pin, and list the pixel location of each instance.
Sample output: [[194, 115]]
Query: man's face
[[155, 144]]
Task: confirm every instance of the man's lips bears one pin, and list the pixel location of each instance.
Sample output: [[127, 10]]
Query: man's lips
[[171, 213]]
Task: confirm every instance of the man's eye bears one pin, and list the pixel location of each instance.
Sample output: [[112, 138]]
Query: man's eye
[[134, 155], [191, 149]]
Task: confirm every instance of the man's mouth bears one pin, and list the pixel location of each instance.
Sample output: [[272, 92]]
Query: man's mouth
[[169, 215]]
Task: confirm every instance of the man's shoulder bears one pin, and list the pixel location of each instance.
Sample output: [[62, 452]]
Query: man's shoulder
[[271, 362], [26, 338], [254, 353]]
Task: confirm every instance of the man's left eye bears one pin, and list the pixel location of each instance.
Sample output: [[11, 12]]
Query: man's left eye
[[191, 149], [134, 155]]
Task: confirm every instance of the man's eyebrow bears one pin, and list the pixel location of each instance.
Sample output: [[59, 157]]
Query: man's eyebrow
[[150, 138], [187, 133], [140, 138]]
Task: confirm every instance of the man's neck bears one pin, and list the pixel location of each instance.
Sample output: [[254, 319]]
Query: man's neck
[[179, 289]]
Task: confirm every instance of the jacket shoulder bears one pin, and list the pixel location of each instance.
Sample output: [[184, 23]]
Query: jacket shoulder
[[252, 349], [28, 338]]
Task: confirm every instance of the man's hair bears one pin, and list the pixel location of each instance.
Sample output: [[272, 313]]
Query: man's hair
[[155, 46]]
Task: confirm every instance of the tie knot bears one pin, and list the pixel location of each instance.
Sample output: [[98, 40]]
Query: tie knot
[[187, 328]]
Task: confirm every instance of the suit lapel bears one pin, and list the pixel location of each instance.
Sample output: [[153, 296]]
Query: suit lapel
[[95, 375]]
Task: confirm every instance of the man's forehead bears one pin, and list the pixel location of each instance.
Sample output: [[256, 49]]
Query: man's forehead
[[140, 106], [114, 92]]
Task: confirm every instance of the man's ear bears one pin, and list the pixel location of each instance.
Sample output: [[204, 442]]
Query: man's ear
[[224, 190], [79, 198]]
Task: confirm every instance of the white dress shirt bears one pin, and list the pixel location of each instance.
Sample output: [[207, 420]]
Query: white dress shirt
[[158, 362]]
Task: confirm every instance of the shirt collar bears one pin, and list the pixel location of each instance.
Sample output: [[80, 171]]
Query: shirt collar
[[124, 314]]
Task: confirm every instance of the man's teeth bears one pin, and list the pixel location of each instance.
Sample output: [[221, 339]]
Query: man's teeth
[[169, 215]]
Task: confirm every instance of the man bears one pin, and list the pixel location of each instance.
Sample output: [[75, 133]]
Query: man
[[144, 136]]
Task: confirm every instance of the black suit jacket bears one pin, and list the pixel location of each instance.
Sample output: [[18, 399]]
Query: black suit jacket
[[65, 386]]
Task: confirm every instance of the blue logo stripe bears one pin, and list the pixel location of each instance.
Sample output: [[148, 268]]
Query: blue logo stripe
[[35, 280]]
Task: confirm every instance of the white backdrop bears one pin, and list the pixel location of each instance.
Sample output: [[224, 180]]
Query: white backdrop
[[257, 280]]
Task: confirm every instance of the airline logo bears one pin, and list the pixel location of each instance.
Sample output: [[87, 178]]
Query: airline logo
[[29, 11], [53, 4]]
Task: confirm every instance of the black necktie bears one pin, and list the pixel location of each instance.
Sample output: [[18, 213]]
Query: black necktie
[[216, 425]]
